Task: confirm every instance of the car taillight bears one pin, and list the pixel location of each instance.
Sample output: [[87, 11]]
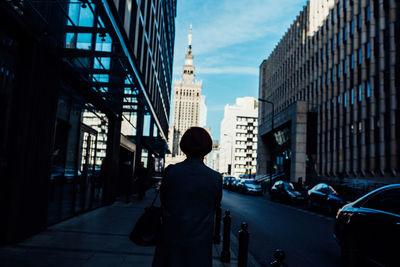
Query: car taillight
[[338, 212]]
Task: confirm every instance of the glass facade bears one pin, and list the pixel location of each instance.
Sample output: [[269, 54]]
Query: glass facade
[[91, 97]]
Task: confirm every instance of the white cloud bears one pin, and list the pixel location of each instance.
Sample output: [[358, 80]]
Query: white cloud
[[225, 23], [222, 28]]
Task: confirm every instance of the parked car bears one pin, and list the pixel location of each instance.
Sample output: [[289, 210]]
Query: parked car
[[234, 184], [368, 229], [247, 176], [249, 186], [228, 181], [323, 196], [284, 191]]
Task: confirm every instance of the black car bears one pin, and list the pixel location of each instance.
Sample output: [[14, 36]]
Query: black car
[[249, 186], [284, 191], [368, 229], [323, 196], [234, 184], [228, 182]]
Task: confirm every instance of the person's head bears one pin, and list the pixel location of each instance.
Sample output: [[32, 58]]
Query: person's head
[[196, 142]]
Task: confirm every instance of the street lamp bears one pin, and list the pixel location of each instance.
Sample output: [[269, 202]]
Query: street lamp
[[272, 150]]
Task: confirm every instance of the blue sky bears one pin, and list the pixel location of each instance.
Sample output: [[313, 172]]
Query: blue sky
[[230, 40]]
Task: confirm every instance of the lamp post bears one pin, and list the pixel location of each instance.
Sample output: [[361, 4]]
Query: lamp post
[[272, 132]]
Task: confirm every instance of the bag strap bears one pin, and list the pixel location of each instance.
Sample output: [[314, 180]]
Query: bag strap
[[158, 191]]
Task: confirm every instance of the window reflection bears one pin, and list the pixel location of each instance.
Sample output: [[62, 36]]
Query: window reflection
[[75, 182]]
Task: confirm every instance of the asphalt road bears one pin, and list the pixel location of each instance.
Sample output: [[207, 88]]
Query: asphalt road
[[305, 236]]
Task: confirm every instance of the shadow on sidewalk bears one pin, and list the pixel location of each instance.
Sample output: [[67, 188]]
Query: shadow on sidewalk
[[96, 238]]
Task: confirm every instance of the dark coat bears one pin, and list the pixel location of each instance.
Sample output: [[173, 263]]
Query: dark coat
[[189, 194]]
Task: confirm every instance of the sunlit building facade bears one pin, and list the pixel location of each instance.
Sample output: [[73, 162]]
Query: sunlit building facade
[[333, 81], [186, 105], [212, 159], [84, 97], [238, 137]]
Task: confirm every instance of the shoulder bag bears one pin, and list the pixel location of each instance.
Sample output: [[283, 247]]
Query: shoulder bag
[[147, 228]]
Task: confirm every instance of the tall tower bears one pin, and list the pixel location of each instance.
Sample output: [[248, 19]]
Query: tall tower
[[186, 105]]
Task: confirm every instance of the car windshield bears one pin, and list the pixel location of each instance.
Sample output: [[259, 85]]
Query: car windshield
[[332, 191], [289, 186]]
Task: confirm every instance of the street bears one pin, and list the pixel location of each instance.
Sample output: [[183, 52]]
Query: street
[[306, 237]]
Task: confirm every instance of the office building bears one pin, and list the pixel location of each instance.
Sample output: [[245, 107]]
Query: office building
[[186, 105], [331, 91], [212, 159], [238, 137], [84, 97]]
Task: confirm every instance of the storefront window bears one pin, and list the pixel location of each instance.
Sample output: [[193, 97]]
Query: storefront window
[[75, 182]]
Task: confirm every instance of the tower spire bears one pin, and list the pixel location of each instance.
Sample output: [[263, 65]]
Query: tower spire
[[190, 40]]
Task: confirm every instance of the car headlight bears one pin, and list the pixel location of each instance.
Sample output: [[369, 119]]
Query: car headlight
[[338, 212]]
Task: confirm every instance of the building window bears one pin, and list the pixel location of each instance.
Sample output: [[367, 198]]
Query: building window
[[359, 56], [368, 88], [345, 33], [327, 78], [367, 13], [333, 74], [352, 27], [359, 93], [368, 50], [338, 39], [359, 21], [338, 70], [352, 96], [352, 61], [322, 55], [345, 66], [345, 4], [338, 99], [345, 99], [333, 44]]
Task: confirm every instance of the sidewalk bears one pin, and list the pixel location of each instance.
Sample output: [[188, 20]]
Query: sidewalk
[[97, 238]]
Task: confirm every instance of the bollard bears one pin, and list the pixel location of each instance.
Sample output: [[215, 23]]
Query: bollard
[[243, 245], [279, 256], [217, 230], [226, 253]]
